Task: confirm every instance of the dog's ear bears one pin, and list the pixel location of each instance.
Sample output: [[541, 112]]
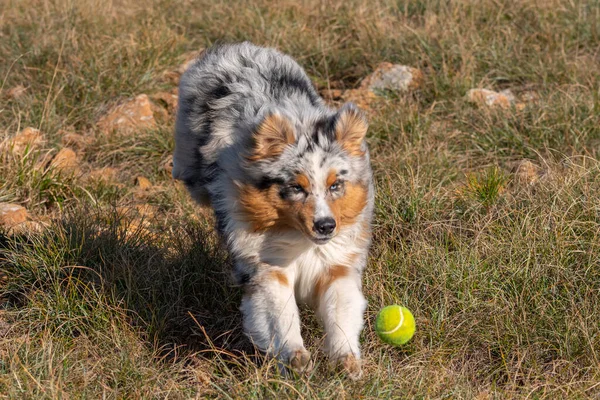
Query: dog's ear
[[350, 129], [271, 136]]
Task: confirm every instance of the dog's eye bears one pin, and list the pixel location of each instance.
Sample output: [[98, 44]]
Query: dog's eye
[[337, 185], [296, 189]]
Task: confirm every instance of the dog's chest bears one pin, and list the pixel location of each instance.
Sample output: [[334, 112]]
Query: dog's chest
[[314, 263]]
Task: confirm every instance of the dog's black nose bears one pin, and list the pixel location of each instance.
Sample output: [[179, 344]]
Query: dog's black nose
[[324, 226]]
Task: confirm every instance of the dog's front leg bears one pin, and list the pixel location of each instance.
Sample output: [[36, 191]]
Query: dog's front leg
[[341, 306], [272, 320]]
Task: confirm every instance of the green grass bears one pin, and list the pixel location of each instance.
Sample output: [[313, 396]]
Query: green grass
[[502, 276]]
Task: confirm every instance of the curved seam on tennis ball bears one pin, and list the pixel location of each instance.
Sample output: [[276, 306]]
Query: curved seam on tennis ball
[[398, 326]]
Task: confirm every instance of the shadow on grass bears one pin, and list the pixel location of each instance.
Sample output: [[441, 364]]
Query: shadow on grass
[[172, 281]]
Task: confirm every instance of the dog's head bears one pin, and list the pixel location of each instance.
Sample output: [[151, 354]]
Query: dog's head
[[312, 176]]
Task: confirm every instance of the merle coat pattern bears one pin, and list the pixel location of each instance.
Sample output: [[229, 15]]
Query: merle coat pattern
[[290, 182]]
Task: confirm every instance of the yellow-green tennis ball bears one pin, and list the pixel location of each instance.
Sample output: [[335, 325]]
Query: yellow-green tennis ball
[[395, 325]]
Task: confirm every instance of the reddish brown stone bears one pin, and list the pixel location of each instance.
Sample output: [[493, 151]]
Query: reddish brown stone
[[28, 138], [130, 116], [16, 92], [167, 99], [143, 183], [12, 214], [65, 160], [490, 98]]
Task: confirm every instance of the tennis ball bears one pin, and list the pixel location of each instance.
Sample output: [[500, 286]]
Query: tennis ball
[[395, 325]]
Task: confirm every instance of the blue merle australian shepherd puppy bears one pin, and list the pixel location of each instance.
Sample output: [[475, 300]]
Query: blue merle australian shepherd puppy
[[291, 185]]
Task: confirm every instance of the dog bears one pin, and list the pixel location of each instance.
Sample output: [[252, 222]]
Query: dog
[[291, 186]]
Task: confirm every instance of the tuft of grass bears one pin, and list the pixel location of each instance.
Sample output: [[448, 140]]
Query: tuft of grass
[[485, 188], [30, 178]]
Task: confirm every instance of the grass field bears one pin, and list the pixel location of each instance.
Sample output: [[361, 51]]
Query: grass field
[[125, 292]]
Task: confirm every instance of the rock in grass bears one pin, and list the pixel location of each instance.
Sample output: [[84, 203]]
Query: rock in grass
[[362, 98], [105, 175], [65, 160], [15, 219], [387, 77], [74, 140], [332, 94], [526, 172], [130, 116], [490, 98], [16, 92], [12, 215], [28, 138], [393, 77], [143, 183], [167, 99]]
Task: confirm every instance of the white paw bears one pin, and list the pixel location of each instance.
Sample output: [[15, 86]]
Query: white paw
[[300, 361], [352, 366]]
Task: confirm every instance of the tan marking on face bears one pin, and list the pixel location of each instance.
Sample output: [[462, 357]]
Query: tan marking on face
[[347, 208], [304, 214], [279, 276], [326, 279], [265, 210], [271, 137], [350, 131], [260, 207], [303, 181], [331, 178]]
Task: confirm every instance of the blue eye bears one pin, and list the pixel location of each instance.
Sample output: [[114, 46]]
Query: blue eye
[[336, 186], [296, 188]]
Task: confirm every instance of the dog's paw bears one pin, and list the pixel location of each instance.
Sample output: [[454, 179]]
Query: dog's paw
[[300, 361], [352, 366]]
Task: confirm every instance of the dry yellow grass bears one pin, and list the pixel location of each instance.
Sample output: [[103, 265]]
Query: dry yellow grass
[[125, 293]]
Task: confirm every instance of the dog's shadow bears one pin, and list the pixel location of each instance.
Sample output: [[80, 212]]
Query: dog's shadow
[[174, 281]]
